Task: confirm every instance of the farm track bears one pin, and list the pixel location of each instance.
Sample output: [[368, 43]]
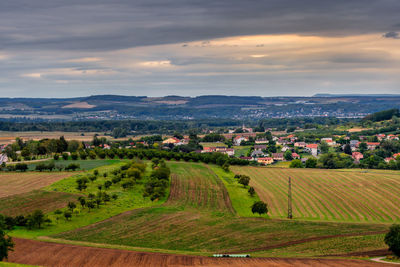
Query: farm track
[[53, 254]]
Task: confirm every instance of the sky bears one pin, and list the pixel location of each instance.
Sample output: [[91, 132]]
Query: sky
[[70, 48]]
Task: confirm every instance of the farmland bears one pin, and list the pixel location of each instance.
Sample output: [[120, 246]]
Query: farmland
[[190, 216], [127, 200], [25, 203], [18, 183], [329, 195]]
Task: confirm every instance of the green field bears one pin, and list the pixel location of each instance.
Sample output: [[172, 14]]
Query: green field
[[329, 195], [198, 217]]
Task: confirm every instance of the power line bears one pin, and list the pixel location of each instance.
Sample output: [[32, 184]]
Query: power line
[[290, 215]]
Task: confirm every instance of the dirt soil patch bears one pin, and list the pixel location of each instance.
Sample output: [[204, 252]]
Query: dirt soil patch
[[53, 254]]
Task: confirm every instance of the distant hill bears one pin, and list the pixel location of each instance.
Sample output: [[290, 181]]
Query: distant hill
[[118, 107]]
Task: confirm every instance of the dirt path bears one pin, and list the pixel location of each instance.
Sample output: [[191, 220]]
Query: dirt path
[[380, 260], [52, 254]]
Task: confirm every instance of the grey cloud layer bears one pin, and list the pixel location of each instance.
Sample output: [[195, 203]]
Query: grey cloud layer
[[109, 25]]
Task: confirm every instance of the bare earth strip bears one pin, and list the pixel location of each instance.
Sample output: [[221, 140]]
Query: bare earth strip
[[53, 254], [17, 183]]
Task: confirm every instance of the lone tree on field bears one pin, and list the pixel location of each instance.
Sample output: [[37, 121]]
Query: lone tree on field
[[6, 243], [392, 239], [259, 207], [244, 180]]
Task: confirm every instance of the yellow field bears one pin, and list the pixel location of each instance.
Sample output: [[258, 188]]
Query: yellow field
[[328, 195]]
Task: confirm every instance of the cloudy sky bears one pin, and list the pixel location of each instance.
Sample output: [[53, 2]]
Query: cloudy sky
[[64, 48]]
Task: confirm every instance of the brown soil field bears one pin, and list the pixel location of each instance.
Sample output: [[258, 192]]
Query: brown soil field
[[79, 105], [14, 183], [53, 254], [25, 203]]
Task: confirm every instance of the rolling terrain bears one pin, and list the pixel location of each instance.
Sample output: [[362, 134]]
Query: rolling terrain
[[198, 217], [208, 212]]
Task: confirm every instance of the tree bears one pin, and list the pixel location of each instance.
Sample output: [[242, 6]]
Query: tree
[[259, 207], [311, 163], [71, 206], [251, 191], [36, 219], [65, 156], [225, 167], [296, 164], [392, 239], [90, 205], [244, 180], [347, 149], [21, 167], [67, 215], [107, 184], [6, 243], [82, 201], [288, 155], [324, 147]]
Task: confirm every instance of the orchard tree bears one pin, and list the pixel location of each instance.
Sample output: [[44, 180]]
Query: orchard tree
[[251, 191], [259, 207], [244, 180]]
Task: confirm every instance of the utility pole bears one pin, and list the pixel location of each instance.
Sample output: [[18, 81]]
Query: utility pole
[[290, 215]]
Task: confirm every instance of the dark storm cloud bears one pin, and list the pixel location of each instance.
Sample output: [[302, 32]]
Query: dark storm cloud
[[393, 35], [110, 25]]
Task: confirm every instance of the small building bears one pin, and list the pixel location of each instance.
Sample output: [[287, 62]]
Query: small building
[[260, 147], [257, 153], [172, 140], [295, 156], [261, 141], [278, 156], [329, 141], [387, 160], [300, 144], [265, 161], [372, 145], [313, 149], [239, 139]]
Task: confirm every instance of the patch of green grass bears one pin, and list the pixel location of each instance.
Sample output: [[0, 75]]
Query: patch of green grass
[[11, 264], [241, 150], [326, 247], [209, 144], [241, 200], [127, 200]]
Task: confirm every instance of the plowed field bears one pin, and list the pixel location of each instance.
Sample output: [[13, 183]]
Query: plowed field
[[52, 254], [328, 195]]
